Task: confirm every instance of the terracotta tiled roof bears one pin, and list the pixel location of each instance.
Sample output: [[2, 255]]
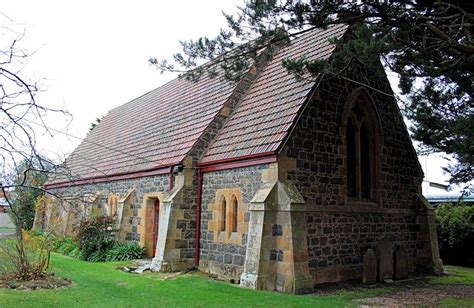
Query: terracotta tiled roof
[[156, 129], [266, 113], [161, 127]]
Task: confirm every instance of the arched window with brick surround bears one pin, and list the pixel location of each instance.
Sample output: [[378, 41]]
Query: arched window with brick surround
[[362, 142]]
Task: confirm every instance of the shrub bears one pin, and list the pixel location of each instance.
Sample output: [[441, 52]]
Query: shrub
[[95, 242], [25, 257], [58, 243], [66, 246], [95, 237], [35, 240], [456, 233], [97, 256], [124, 252]]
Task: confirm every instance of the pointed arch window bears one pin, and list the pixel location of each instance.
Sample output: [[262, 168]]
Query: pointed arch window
[[223, 214], [365, 162], [112, 203], [351, 157], [235, 213], [361, 130], [229, 220]]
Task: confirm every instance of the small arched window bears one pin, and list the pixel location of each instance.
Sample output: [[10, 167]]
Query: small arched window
[[223, 214], [360, 152], [112, 203], [235, 214], [228, 216]]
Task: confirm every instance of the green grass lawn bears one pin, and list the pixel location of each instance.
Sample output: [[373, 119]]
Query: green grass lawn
[[102, 285], [457, 274], [4, 229]]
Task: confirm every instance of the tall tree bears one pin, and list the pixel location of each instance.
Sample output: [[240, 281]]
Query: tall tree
[[30, 176], [427, 43]]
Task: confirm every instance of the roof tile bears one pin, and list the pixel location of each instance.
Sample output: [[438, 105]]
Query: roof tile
[[155, 129], [161, 127], [264, 116]]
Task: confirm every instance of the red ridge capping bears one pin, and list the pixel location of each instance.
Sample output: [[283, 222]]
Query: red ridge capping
[[114, 177]]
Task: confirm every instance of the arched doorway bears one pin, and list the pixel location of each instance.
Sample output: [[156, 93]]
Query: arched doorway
[[148, 226]]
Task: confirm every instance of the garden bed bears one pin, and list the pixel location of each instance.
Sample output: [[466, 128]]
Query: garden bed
[[47, 282]]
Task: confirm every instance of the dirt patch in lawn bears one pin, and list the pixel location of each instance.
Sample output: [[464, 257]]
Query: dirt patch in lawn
[[417, 292], [48, 282], [420, 294]]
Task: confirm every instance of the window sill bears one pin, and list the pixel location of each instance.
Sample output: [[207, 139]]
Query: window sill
[[234, 237], [224, 237]]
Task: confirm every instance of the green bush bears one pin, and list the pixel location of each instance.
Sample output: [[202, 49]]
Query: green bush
[[24, 257], [58, 243], [124, 252], [97, 256], [95, 242], [66, 246], [95, 238], [456, 233], [76, 253]]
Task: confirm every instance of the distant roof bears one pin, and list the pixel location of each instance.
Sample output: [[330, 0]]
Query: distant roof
[[449, 198], [160, 128], [3, 202]]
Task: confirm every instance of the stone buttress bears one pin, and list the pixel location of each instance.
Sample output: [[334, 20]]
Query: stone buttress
[[277, 256], [176, 229]]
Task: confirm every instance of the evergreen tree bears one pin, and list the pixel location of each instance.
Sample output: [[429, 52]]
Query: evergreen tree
[[30, 176], [95, 123], [427, 43]]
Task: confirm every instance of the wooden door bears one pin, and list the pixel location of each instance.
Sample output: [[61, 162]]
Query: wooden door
[[156, 220]]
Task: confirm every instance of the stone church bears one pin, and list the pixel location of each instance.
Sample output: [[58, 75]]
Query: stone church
[[272, 182]]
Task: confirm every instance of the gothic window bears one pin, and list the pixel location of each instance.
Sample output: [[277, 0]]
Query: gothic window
[[360, 151], [228, 216], [223, 214], [365, 162], [112, 203], [351, 157], [235, 213]]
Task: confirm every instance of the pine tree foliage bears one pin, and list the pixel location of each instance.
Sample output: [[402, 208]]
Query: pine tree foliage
[[95, 123], [427, 43], [30, 175]]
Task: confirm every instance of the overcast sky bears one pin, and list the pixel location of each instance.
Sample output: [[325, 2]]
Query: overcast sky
[[91, 56]]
